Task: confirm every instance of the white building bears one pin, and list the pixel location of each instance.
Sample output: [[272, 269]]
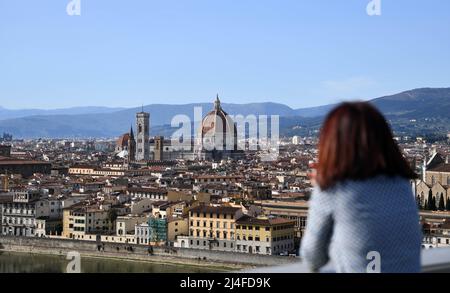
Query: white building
[[19, 215], [296, 140], [142, 233]]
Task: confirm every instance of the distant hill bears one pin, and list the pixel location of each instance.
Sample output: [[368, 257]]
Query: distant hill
[[13, 113], [429, 107], [115, 123], [418, 112], [416, 104]]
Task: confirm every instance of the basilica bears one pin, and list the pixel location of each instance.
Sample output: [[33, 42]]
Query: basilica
[[216, 139], [217, 136]]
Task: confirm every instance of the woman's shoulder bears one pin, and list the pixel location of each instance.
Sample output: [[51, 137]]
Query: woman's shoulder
[[379, 182]]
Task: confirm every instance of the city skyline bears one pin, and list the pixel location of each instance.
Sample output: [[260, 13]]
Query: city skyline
[[297, 53]]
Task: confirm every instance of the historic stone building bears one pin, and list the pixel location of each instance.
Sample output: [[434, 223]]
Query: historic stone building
[[435, 182], [217, 136], [126, 146], [26, 168], [159, 148], [20, 214], [143, 136]]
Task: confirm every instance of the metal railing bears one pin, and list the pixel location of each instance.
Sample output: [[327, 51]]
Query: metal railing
[[436, 260]]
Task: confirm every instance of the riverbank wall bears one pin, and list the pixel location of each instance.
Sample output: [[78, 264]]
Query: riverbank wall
[[219, 259]]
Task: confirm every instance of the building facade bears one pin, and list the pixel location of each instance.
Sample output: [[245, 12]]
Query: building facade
[[20, 214], [80, 220], [268, 236], [433, 191], [142, 136], [213, 227]]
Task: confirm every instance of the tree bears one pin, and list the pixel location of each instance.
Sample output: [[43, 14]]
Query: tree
[[441, 203], [447, 205], [430, 200], [434, 206], [112, 216]]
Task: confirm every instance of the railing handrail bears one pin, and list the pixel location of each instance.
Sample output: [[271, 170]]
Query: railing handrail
[[433, 260]]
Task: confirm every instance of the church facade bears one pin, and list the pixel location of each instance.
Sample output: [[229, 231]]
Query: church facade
[[433, 191], [216, 139]]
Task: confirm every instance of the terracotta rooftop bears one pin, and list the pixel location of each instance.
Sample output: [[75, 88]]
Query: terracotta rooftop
[[247, 220], [214, 209]]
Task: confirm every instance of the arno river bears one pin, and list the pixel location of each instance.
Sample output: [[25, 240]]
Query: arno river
[[34, 263]]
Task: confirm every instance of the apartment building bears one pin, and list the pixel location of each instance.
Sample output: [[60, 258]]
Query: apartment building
[[213, 227], [263, 235], [80, 220], [20, 212]]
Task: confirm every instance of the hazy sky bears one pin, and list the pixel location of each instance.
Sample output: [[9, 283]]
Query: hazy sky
[[297, 52]]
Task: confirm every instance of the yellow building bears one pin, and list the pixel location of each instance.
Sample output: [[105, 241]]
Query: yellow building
[[177, 227], [80, 220], [4, 183], [269, 236], [213, 227]]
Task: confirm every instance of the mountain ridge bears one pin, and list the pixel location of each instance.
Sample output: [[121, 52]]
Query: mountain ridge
[[417, 104]]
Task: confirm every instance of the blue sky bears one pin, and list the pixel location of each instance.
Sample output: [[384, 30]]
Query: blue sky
[[298, 52]]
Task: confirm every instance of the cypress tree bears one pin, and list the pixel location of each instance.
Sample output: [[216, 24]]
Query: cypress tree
[[447, 205], [430, 200], [441, 203], [433, 205]]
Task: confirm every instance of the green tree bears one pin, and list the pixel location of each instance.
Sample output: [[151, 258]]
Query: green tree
[[441, 203], [112, 216], [447, 205], [433, 205], [430, 201]]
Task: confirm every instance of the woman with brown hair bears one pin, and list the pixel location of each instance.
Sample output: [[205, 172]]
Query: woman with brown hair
[[362, 214]]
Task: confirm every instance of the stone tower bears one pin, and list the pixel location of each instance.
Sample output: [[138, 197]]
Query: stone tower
[[159, 148], [142, 136], [131, 147]]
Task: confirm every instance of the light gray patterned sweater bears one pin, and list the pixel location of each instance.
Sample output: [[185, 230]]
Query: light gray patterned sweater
[[355, 218]]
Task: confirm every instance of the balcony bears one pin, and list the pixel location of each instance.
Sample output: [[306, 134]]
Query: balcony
[[436, 260]]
